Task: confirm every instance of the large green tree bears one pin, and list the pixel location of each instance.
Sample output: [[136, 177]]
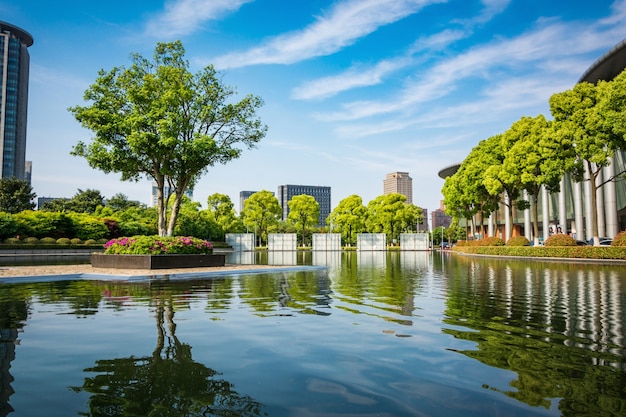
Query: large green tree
[[390, 214], [304, 212], [222, 209], [157, 120], [538, 158], [348, 218], [588, 115], [16, 195], [260, 212]]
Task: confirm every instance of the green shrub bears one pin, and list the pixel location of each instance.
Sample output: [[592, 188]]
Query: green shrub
[[63, 241], [8, 226], [89, 227], [47, 240], [102, 241], [31, 240], [12, 241], [490, 241], [620, 239], [91, 242], [560, 240], [461, 243], [158, 245], [518, 241], [76, 241]]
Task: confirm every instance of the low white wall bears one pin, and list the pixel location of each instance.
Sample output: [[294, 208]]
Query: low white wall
[[326, 241], [240, 241], [414, 241], [371, 241], [281, 242]]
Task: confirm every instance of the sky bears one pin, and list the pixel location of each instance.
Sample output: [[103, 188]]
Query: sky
[[352, 89]]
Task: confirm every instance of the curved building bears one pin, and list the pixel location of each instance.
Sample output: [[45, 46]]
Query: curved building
[[569, 211], [14, 68]]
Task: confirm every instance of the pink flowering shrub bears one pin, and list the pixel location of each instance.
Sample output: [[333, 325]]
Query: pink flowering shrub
[[157, 245]]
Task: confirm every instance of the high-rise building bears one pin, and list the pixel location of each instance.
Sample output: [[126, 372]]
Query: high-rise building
[[439, 217], [321, 194], [401, 183], [14, 68]]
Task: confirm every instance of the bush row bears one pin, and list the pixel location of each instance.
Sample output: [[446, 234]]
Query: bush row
[[52, 241], [576, 252]]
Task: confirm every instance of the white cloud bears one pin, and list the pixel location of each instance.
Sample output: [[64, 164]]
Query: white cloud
[[346, 22], [182, 17]]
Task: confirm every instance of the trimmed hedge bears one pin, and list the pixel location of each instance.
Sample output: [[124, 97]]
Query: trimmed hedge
[[518, 241], [575, 252], [620, 239], [560, 239]]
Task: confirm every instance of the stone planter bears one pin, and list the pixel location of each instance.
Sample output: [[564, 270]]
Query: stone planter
[[100, 260]]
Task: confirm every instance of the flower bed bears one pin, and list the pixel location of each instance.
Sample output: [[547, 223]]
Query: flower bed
[[157, 252]]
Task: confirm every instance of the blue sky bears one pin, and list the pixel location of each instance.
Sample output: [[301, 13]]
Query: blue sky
[[353, 90]]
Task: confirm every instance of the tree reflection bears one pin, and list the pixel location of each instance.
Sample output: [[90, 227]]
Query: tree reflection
[[556, 348], [167, 383]]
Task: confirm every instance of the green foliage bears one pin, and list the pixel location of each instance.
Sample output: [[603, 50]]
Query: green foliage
[[222, 212], [133, 228], [90, 242], [391, 215], [31, 241], [63, 241], [16, 195], [42, 224], [120, 202], [348, 218], [490, 241], [8, 226], [12, 241], [518, 241], [572, 252], [86, 226], [76, 241], [304, 213], [158, 120], [620, 239], [158, 245], [261, 212], [47, 240], [560, 239]]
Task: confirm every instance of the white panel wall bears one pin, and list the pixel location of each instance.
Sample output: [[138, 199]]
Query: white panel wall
[[414, 241], [281, 242], [371, 241], [326, 241], [240, 241]]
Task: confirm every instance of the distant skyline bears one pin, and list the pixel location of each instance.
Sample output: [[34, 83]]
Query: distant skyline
[[353, 90]]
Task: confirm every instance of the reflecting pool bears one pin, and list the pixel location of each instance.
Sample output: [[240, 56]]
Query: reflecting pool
[[347, 334]]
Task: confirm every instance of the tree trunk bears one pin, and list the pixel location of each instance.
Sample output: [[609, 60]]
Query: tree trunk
[[174, 214], [535, 217], [161, 206]]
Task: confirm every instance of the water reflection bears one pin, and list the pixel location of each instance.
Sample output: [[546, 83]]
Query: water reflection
[[560, 329], [525, 338], [167, 383]]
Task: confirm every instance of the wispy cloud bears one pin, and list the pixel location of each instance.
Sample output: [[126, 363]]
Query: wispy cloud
[[528, 53], [182, 17], [345, 23]]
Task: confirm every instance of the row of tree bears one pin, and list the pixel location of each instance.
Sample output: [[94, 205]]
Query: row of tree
[[588, 127], [261, 214]]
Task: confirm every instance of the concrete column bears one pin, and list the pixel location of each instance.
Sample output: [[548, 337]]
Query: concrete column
[[507, 218], [545, 210], [578, 211], [490, 224], [610, 202], [562, 207], [588, 211]]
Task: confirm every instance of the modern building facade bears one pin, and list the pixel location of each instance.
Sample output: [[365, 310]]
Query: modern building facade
[[400, 183], [14, 69], [439, 218], [570, 210], [321, 194]]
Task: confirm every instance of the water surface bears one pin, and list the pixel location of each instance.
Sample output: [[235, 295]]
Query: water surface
[[369, 334]]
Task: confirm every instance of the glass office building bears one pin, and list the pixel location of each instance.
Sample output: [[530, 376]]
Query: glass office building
[[14, 68]]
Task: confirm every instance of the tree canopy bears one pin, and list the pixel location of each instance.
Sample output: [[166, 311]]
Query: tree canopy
[[157, 120], [260, 212], [16, 195], [304, 212]]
